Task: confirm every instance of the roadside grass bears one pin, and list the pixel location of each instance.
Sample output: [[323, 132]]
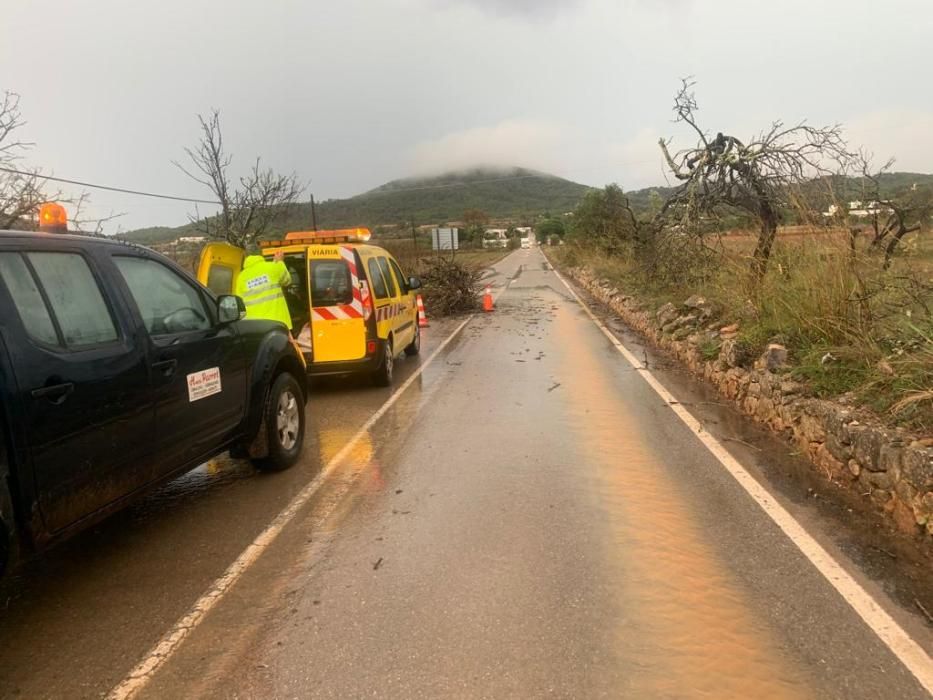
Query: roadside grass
[[709, 349], [850, 327]]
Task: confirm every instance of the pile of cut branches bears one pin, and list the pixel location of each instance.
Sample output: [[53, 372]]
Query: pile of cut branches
[[450, 287]]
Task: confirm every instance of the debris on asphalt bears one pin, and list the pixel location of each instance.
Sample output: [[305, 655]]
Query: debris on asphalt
[[924, 610]]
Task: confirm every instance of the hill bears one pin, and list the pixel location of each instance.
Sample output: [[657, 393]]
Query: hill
[[644, 202], [892, 183], [156, 234], [512, 193], [509, 193]]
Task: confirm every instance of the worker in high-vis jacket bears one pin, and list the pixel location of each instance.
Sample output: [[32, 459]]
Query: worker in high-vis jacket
[[261, 285]]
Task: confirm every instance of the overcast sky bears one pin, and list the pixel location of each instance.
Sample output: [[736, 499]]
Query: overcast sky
[[351, 93]]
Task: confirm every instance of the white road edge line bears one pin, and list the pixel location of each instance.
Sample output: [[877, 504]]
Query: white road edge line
[[911, 654], [155, 658]]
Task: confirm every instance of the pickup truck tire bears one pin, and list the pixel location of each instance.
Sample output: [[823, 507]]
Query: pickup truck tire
[[414, 347], [284, 423], [383, 375]]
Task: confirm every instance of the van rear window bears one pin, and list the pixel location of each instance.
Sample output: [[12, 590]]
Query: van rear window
[[330, 283], [387, 274], [376, 280]]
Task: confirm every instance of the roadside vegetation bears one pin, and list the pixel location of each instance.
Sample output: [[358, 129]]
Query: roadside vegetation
[[794, 237]]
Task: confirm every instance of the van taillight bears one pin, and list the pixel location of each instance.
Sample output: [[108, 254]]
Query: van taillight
[[370, 347], [366, 299]]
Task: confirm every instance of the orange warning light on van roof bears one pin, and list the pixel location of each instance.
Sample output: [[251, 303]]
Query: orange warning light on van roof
[[359, 235]]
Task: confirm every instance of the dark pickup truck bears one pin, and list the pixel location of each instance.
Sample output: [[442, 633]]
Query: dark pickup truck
[[118, 371]]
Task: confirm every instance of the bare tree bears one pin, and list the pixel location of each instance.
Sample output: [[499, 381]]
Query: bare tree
[[249, 208], [891, 215], [763, 177], [23, 189], [80, 223], [20, 192]]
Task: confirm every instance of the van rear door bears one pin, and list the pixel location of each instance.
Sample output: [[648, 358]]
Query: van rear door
[[219, 267], [338, 328]]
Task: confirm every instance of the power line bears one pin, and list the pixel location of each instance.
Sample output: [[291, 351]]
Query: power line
[[108, 188], [140, 193], [193, 200]]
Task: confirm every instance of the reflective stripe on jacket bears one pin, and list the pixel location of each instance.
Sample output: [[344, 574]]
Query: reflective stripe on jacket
[[260, 286]]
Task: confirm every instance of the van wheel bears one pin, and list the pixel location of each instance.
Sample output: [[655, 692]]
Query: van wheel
[[383, 375], [284, 422], [415, 346]]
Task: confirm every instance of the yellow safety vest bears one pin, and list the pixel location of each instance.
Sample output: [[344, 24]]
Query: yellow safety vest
[[260, 286]]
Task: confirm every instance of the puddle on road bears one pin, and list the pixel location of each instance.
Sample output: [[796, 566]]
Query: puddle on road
[[688, 630]]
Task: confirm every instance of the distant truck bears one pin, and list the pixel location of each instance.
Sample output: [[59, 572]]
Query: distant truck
[[526, 235]]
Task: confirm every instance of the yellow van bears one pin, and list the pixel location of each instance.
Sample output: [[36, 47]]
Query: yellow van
[[352, 308]]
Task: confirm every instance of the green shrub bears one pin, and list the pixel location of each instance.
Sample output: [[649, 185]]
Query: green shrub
[[709, 349]]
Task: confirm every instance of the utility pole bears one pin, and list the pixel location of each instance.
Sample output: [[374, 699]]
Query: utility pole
[[313, 214], [414, 235]]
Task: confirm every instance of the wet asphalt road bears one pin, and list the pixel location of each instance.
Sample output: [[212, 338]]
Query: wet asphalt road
[[528, 519]]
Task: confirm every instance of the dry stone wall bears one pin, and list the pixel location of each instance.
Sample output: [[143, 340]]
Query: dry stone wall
[[850, 446]]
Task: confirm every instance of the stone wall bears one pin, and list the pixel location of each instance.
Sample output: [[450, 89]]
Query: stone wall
[[846, 443]]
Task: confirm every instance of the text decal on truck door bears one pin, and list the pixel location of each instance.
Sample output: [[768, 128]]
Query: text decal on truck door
[[204, 383]]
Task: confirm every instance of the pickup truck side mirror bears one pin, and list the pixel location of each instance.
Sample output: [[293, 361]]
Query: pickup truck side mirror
[[414, 283], [230, 308]]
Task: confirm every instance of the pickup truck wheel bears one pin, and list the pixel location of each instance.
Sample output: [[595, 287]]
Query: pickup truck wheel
[[284, 421], [415, 346], [383, 375]]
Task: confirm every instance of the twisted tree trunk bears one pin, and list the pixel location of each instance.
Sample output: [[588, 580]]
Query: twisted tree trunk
[[766, 235], [894, 241]]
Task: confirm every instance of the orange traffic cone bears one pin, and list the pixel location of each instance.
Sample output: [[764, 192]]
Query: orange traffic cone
[[422, 316], [487, 300]]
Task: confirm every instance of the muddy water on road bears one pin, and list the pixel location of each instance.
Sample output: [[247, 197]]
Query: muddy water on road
[[687, 631], [528, 538]]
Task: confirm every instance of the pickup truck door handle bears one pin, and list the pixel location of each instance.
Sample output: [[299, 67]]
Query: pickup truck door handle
[[166, 367], [56, 393]]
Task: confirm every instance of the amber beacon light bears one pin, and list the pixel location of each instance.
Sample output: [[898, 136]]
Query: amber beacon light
[[53, 218]]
